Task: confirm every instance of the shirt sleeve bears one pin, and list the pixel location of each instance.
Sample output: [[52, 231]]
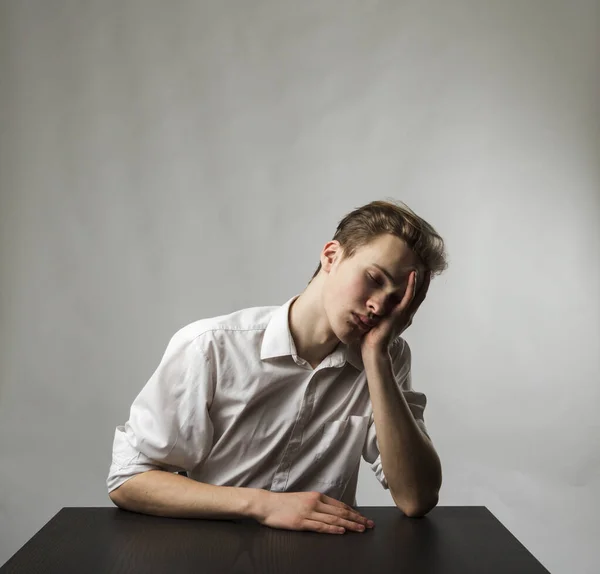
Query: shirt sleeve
[[169, 427], [401, 367]]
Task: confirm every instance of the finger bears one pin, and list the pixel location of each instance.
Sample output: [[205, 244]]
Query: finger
[[334, 502], [423, 290], [417, 286], [426, 283], [337, 521], [321, 527], [409, 293], [421, 293], [338, 503], [342, 511]]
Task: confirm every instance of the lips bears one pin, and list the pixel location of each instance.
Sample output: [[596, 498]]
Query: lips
[[362, 321], [367, 321]]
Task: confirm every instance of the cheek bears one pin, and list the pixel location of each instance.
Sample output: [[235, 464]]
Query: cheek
[[347, 294], [353, 295]]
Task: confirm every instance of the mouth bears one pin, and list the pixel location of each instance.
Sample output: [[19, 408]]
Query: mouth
[[360, 323]]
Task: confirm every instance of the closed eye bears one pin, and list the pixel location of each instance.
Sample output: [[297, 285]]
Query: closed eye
[[374, 280]]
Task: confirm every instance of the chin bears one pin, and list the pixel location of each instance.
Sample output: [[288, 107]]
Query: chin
[[347, 335], [343, 336]]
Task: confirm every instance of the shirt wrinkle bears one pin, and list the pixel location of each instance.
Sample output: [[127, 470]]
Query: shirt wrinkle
[[281, 418]]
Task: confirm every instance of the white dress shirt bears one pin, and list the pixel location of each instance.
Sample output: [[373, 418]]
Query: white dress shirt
[[232, 404]]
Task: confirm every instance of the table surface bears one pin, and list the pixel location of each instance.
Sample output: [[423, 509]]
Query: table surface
[[449, 540]]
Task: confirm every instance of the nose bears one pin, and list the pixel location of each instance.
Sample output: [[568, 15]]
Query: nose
[[377, 305], [381, 303]]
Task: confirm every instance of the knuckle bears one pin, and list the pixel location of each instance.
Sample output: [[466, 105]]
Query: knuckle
[[352, 525], [311, 498]]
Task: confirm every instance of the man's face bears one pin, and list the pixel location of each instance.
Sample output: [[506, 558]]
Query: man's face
[[373, 280]]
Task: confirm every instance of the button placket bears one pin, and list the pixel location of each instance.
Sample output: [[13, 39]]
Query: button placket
[[281, 477]]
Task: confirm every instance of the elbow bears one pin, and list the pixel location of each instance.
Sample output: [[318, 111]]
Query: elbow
[[125, 492], [418, 508], [117, 497]]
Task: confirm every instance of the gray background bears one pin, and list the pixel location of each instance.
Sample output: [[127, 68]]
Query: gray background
[[168, 161]]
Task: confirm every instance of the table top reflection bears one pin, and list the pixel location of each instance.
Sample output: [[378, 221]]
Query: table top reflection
[[449, 540]]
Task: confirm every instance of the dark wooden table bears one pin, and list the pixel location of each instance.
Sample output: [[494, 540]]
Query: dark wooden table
[[449, 540]]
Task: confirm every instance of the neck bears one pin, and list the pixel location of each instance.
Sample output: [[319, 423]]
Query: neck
[[309, 325]]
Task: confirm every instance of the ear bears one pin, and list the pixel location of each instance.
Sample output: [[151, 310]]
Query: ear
[[332, 251]]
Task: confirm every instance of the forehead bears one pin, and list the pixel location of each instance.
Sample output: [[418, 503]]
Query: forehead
[[388, 251]]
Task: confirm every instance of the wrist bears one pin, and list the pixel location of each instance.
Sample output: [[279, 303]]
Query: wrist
[[375, 356], [255, 502]]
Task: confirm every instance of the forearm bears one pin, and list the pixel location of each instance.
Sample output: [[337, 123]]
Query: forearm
[[410, 463], [162, 493]]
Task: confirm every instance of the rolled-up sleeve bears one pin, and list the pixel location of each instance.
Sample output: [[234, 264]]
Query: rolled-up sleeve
[[169, 427], [401, 367]]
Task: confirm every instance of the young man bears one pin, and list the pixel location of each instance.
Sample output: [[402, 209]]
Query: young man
[[269, 409]]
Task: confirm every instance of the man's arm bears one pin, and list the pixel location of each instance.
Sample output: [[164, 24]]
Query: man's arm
[[163, 493], [410, 463]]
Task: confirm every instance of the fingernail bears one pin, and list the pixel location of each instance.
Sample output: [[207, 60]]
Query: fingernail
[[370, 523]]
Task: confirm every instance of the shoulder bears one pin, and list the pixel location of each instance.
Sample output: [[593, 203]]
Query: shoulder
[[202, 331]]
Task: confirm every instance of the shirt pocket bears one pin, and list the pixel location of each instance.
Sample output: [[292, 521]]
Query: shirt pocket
[[340, 447]]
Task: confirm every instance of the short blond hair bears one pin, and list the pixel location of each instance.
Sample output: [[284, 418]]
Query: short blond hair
[[365, 223]]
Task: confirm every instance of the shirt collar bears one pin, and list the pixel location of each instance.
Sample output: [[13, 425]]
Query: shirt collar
[[278, 342]]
